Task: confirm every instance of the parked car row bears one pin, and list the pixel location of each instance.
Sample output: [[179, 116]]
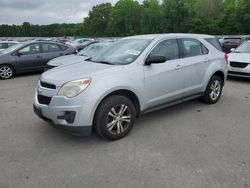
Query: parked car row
[[34, 56], [30, 57]]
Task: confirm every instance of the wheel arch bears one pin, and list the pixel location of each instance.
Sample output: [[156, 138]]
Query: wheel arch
[[126, 93], [221, 75]]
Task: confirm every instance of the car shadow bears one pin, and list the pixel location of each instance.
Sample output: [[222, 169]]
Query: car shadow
[[145, 121], [238, 79]]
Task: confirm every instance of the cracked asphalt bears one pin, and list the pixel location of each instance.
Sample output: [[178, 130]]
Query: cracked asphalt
[[191, 145]]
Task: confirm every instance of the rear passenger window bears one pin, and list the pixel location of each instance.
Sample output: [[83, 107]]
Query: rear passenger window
[[204, 49], [63, 47], [215, 42], [167, 48], [50, 47], [192, 47], [30, 49]]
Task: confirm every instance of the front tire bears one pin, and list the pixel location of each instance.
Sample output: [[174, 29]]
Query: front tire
[[6, 72], [213, 91], [114, 117]]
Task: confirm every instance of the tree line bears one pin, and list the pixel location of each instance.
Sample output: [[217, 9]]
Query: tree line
[[129, 17]]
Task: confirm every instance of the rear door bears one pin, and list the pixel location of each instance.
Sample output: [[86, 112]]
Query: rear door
[[29, 58], [51, 51], [164, 82], [195, 62]]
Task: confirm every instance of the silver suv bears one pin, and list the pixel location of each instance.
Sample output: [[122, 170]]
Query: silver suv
[[134, 76]]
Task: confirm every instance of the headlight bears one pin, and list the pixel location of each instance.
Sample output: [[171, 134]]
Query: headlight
[[74, 88]]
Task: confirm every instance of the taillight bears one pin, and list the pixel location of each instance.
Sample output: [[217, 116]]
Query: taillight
[[226, 57]]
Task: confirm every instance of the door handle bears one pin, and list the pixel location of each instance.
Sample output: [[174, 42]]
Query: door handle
[[178, 67], [61, 54], [38, 56], [206, 60]]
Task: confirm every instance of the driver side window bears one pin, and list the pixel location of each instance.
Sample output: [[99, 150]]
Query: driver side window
[[30, 49], [167, 48]]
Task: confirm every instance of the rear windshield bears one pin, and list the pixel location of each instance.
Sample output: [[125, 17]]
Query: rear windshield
[[215, 42], [232, 41]]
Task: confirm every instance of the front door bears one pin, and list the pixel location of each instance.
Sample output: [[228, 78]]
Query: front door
[[164, 82], [29, 58]]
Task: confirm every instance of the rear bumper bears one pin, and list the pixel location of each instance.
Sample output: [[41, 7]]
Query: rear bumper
[[74, 130]]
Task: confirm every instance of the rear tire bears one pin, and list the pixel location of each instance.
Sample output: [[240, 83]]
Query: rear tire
[[114, 117], [6, 72], [213, 91]]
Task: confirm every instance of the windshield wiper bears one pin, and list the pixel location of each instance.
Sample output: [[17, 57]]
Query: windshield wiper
[[105, 62]]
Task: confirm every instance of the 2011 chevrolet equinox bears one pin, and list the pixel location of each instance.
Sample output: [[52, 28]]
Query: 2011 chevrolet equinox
[[135, 75]]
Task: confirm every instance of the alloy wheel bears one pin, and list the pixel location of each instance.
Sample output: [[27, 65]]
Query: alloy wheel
[[215, 90], [118, 119], [6, 72]]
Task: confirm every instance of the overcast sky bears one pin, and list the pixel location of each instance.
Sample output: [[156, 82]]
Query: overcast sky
[[46, 11]]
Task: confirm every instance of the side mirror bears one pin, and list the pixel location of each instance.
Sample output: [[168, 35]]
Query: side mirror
[[232, 50], [153, 59], [18, 54]]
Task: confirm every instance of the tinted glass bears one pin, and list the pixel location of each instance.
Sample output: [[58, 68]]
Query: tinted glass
[[191, 47], [214, 42], [167, 48], [63, 47], [232, 41], [50, 47], [30, 49], [2, 45], [204, 49]]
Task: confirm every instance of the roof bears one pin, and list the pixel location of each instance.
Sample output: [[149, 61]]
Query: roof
[[170, 35], [12, 42]]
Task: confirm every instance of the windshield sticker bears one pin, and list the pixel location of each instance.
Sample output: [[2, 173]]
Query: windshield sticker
[[133, 52]]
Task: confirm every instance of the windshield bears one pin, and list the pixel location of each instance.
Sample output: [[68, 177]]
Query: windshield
[[244, 48], [93, 49], [122, 52], [12, 48]]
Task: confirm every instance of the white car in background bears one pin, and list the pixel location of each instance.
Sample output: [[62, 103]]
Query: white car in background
[[78, 42], [6, 44], [86, 53], [239, 61]]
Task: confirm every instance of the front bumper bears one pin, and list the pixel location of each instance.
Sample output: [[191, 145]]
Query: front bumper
[[74, 130], [73, 115], [239, 72]]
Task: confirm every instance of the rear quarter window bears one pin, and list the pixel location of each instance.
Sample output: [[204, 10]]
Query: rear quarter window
[[63, 48], [215, 43]]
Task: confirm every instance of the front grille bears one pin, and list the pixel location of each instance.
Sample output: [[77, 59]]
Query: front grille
[[47, 85], [43, 99], [238, 64]]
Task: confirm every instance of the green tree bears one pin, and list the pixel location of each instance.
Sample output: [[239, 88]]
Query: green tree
[[175, 14], [96, 23], [152, 17], [125, 18]]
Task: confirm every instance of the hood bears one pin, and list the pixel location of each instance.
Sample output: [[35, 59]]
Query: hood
[[239, 57], [68, 59], [63, 74]]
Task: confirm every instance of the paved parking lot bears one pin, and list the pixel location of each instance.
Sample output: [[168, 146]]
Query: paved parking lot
[[191, 145]]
